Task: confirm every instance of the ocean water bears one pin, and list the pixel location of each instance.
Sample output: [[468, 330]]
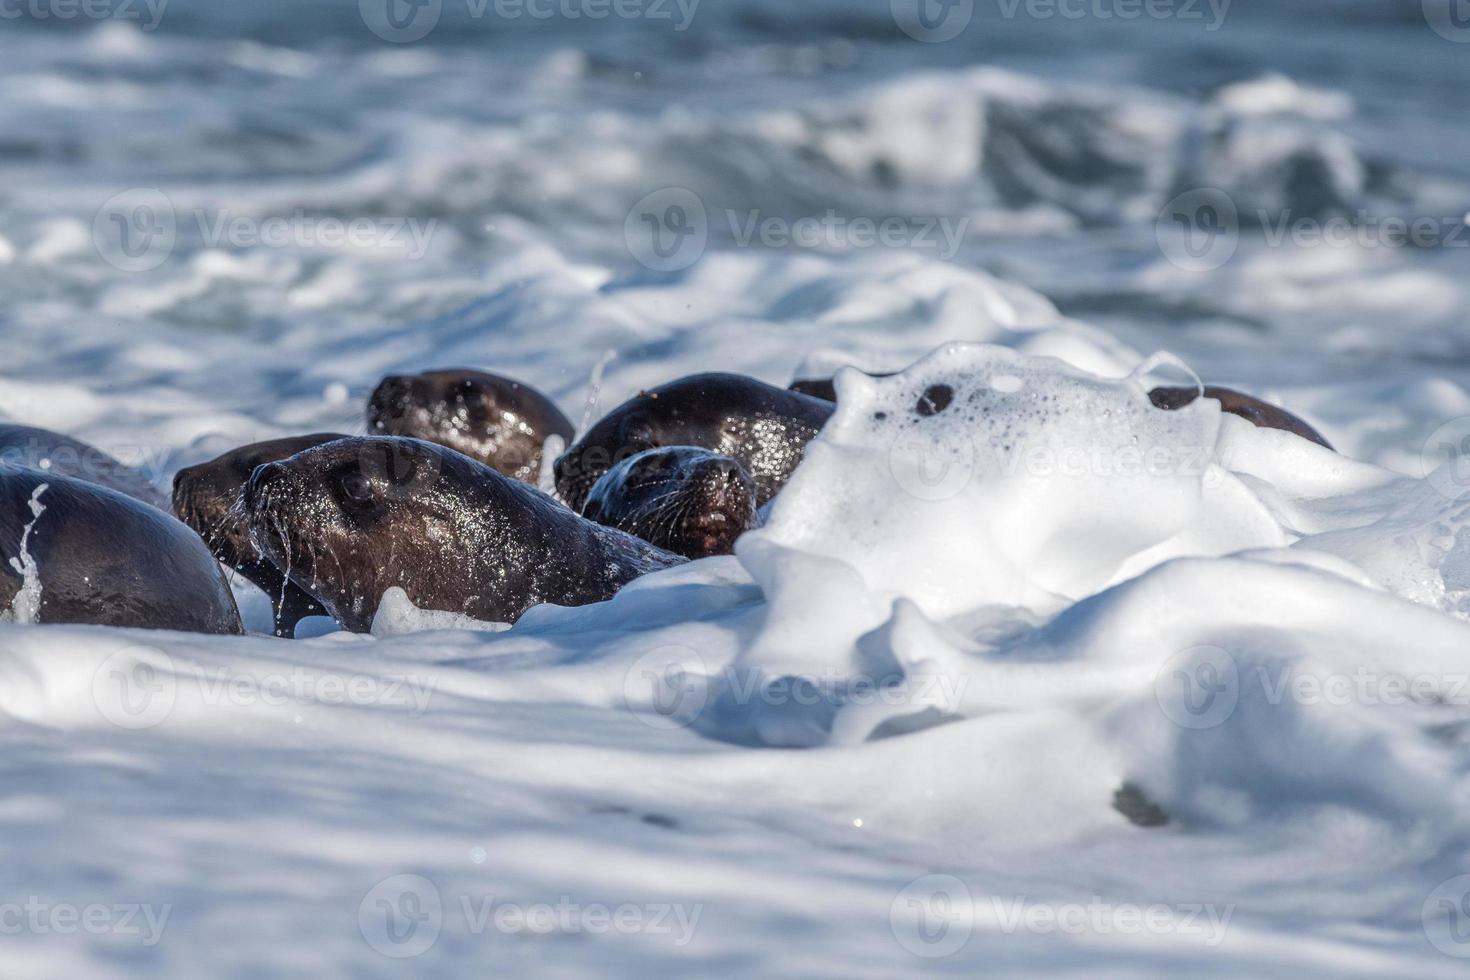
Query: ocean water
[[1047, 681]]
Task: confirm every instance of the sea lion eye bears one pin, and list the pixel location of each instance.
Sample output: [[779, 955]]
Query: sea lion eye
[[356, 488]]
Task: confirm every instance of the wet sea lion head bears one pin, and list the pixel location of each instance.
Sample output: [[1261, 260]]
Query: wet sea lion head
[[501, 422], [686, 500]]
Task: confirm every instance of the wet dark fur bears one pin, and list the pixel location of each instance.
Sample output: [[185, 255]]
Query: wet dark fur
[[107, 559], [689, 501], [350, 519], [763, 427], [207, 498], [501, 422]]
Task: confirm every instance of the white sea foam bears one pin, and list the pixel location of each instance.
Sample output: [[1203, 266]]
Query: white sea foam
[[1033, 673]]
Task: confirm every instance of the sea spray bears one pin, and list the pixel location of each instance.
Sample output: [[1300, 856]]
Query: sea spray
[[27, 605]]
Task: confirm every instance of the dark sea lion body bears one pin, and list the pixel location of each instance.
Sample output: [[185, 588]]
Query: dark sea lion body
[[207, 498], [105, 558], [763, 427], [52, 452], [1259, 413], [822, 388], [350, 519], [689, 501], [498, 421]]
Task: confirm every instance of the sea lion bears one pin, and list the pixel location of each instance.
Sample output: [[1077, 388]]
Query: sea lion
[[763, 427], [76, 552], [207, 498], [1255, 411], [52, 452], [350, 519], [1260, 414], [685, 500], [501, 422]]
